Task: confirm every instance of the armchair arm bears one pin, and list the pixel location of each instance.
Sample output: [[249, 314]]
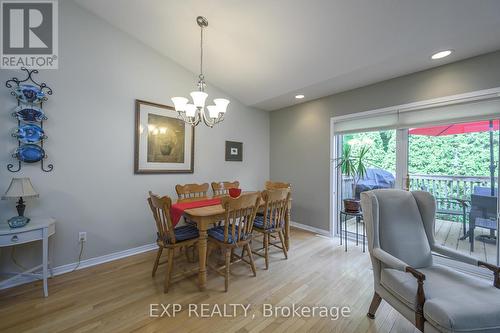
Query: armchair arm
[[418, 275], [494, 269], [395, 263], [419, 313], [455, 255], [389, 259]]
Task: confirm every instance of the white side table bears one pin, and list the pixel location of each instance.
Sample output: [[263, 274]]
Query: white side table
[[37, 229]]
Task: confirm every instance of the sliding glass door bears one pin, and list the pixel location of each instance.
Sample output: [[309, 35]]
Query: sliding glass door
[[380, 162], [456, 162]]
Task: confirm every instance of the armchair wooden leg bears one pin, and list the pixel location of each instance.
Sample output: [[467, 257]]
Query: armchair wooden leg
[[170, 266], [157, 261], [228, 264], [374, 306]]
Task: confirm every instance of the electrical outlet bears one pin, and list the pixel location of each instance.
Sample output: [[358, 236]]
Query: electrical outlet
[[82, 237]]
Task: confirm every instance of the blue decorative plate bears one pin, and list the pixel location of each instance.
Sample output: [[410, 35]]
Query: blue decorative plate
[[29, 133], [30, 153], [28, 93], [29, 114]]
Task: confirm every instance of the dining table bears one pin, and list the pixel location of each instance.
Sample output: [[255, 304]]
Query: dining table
[[205, 217]]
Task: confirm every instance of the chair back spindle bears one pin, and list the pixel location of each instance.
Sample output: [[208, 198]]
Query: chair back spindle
[[161, 213], [222, 188], [275, 207], [190, 191], [239, 216]]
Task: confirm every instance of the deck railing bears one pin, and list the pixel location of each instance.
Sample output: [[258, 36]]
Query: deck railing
[[440, 186], [445, 187], [458, 187]]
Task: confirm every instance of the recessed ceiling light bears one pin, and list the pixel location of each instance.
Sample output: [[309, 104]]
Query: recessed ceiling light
[[300, 96], [441, 54]]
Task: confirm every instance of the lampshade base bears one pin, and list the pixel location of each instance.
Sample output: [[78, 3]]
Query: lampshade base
[[18, 221]]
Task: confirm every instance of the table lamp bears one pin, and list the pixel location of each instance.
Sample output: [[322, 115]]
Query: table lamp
[[19, 188]]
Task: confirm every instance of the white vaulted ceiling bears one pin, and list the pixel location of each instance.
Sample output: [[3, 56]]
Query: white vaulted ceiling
[[263, 52]]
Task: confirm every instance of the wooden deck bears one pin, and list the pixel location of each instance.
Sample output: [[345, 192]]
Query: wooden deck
[[448, 234]]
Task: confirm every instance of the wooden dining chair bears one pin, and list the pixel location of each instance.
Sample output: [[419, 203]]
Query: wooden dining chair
[[191, 191], [270, 185], [222, 188], [236, 232], [272, 221], [168, 237]]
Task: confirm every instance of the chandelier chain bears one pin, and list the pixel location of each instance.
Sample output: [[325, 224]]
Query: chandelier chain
[[211, 115], [201, 52]]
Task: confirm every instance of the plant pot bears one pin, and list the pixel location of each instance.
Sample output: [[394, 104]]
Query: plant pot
[[352, 205]]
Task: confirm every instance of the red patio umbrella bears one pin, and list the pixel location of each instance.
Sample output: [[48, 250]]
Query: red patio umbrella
[[477, 126]]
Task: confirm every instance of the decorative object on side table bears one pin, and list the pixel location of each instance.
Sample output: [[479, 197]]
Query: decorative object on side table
[[29, 114], [234, 151], [19, 188], [163, 143]]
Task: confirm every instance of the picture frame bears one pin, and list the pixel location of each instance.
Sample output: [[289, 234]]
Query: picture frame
[[163, 142], [234, 151]]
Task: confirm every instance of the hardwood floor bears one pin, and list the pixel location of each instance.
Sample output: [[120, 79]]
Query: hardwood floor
[[116, 296]]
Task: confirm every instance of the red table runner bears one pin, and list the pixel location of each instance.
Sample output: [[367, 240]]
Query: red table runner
[[177, 210]]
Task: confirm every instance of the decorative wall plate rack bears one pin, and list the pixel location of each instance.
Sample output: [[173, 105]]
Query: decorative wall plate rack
[[30, 135]]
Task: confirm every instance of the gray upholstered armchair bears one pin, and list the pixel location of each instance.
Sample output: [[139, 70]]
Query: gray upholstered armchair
[[435, 298]]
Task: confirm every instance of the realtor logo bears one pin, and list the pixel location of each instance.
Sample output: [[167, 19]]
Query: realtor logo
[[29, 34]]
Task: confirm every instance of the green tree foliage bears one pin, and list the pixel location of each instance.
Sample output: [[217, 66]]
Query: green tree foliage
[[457, 155]]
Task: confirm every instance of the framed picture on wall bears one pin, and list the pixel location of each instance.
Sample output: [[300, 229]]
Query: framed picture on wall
[[234, 151], [163, 143]]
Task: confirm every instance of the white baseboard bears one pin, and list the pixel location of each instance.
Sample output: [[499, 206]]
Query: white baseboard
[[318, 231], [83, 264], [123, 254]]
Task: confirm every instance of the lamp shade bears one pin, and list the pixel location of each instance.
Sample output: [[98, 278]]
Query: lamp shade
[[199, 98], [190, 110], [20, 187], [179, 103], [222, 104], [213, 111]]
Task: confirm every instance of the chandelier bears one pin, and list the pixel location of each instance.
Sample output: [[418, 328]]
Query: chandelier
[[195, 112]]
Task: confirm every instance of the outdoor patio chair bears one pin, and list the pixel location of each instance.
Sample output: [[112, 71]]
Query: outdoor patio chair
[[483, 214], [435, 298], [454, 207]]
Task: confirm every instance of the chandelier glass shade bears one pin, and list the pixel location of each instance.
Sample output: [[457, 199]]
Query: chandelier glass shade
[[195, 112]]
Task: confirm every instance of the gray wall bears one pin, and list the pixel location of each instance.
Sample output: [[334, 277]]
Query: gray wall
[[300, 135], [91, 141]]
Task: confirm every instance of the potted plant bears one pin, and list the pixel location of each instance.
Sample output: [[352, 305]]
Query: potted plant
[[354, 166]]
